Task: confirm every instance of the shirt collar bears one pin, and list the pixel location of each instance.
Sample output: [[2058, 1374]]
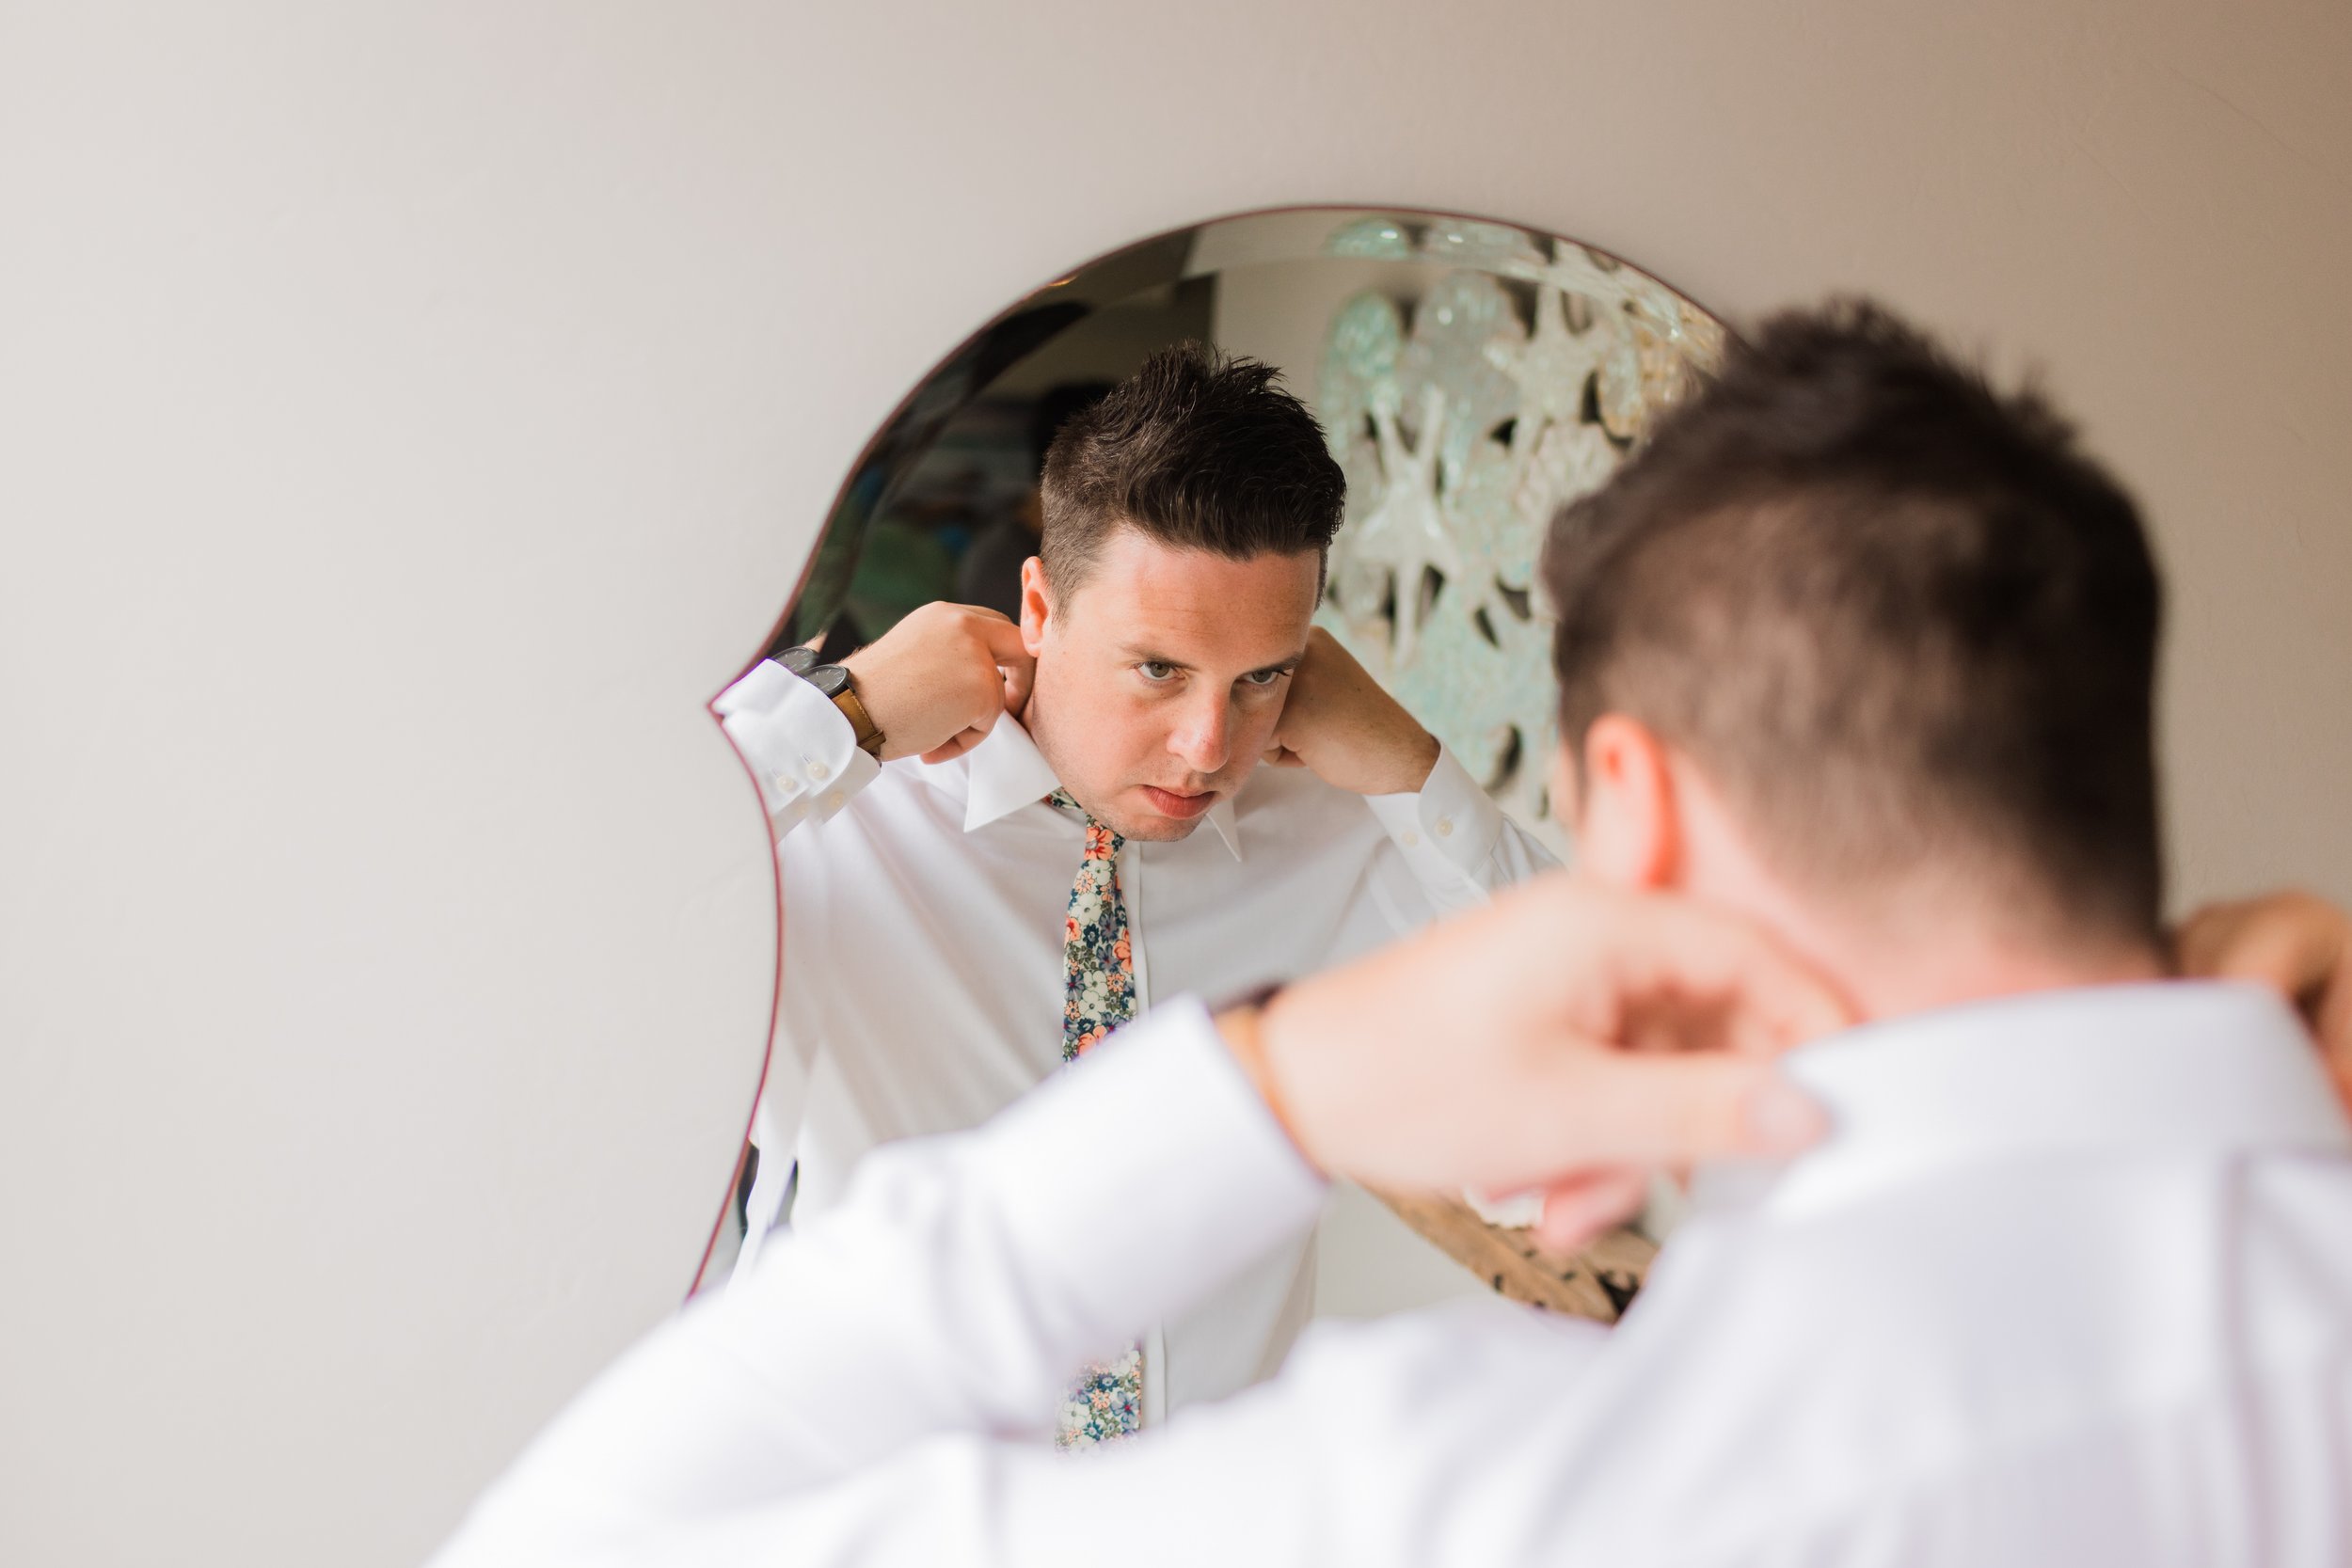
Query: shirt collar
[[1006, 772], [2168, 1066]]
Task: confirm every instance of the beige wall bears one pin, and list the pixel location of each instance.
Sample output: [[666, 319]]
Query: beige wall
[[411, 420]]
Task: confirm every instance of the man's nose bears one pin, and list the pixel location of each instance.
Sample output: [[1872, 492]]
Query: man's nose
[[1203, 736]]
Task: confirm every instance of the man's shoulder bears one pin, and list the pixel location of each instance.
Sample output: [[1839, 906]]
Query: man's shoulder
[[1472, 1344]]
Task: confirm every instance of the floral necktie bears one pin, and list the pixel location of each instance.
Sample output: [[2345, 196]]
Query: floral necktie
[[1098, 995]]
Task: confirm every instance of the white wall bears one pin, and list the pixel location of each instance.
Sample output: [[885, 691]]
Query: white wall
[[409, 419]]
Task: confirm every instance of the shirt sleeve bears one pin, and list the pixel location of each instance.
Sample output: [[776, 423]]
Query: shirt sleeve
[[1460, 846], [801, 747], [1356, 1454], [881, 1388]]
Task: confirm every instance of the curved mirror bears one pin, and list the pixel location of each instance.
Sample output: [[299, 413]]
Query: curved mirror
[[1467, 379]]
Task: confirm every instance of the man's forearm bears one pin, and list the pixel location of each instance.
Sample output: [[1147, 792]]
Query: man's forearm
[[959, 1288]]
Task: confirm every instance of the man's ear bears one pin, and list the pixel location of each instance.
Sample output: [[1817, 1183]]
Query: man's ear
[[1628, 826], [1037, 605]]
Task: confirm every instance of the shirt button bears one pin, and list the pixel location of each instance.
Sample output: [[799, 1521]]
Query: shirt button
[[1444, 827], [818, 772], [785, 783], [1409, 838], [833, 800]]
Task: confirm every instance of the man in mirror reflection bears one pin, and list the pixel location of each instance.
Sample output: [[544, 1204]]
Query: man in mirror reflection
[[1002, 836], [2027, 1255]]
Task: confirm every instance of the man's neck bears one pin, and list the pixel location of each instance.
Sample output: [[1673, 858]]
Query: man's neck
[[1940, 936], [1886, 986], [1904, 955]]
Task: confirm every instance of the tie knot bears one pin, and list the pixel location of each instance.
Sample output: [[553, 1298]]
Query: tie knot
[[1100, 839]]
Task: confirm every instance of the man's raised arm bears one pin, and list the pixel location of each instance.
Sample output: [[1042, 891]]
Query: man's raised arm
[[880, 1390], [1340, 722], [932, 687]]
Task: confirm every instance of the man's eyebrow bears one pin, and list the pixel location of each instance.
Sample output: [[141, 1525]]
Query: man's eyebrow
[[1135, 653]]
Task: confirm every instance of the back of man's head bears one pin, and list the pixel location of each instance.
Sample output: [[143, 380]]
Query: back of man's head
[[1196, 452], [1905, 629]]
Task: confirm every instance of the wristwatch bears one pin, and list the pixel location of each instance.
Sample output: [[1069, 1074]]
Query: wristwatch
[[833, 681]]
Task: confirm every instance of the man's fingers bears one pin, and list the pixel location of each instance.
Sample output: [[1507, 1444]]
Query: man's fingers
[[1011, 655], [956, 745], [1018, 678], [2291, 941], [1769, 999], [2231, 941], [1578, 1211], [1002, 637], [2296, 944], [1610, 1108]]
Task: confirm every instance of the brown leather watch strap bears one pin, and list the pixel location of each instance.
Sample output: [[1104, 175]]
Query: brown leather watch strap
[[869, 740]]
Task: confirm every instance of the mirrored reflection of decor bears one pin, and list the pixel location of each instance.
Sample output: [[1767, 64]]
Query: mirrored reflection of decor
[[1464, 417]]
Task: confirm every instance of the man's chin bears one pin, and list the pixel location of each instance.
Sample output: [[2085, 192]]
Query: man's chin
[[1152, 828], [1132, 811]]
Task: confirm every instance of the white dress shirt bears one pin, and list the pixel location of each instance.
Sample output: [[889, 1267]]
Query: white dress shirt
[[924, 952], [2070, 1284]]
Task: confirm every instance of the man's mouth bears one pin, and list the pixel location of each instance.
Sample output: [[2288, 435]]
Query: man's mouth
[[1182, 807]]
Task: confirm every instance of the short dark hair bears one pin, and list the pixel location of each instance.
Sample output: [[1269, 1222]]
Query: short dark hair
[[1052, 410], [1894, 613], [1196, 451]]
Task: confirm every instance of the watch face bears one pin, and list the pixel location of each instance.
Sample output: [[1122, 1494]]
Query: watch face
[[798, 660], [831, 679]]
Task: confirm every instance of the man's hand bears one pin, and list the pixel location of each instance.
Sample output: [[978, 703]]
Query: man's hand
[[1337, 721], [1567, 1037], [940, 679], [2295, 943]]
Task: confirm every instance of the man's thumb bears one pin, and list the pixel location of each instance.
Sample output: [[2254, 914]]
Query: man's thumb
[[1668, 1109]]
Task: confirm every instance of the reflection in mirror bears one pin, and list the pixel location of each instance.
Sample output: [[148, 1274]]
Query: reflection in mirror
[[971, 901]]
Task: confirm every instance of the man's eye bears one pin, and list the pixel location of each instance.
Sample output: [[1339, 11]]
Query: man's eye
[[1157, 669], [1264, 678]]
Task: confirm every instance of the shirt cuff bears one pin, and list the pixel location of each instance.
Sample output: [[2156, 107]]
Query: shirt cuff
[[1448, 829], [1149, 1174], [801, 747]]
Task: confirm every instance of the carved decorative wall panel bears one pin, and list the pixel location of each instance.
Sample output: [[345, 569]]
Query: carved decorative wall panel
[[1465, 419]]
